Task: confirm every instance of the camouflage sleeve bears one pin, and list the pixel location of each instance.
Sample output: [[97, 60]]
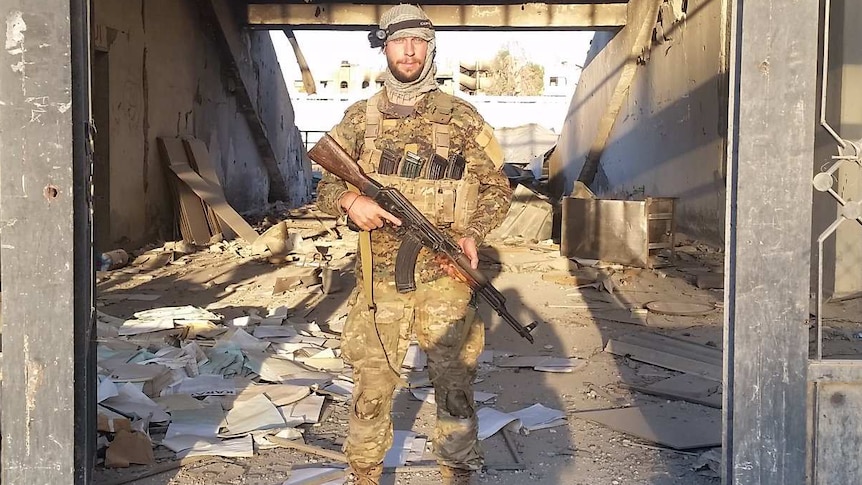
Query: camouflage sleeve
[[495, 194], [348, 133]]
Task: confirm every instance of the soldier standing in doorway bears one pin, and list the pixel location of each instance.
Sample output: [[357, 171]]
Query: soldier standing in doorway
[[438, 151]]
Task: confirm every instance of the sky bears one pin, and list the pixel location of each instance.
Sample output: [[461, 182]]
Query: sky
[[325, 50]]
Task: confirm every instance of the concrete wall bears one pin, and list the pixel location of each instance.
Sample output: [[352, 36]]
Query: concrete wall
[[165, 77], [668, 139]]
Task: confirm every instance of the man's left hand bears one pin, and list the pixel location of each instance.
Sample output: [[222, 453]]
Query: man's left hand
[[468, 247]]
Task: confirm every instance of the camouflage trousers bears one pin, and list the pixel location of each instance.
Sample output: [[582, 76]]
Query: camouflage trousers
[[437, 314]]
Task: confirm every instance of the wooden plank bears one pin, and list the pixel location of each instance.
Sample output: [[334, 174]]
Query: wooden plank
[[533, 15], [773, 80], [200, 160], [664, 359], [207, 192], [48, 393], [191, 206]]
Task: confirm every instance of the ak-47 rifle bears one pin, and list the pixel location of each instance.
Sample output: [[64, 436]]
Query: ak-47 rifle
[[415, 231]]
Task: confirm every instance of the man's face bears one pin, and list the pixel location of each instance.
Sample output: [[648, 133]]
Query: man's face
[[406, 57]]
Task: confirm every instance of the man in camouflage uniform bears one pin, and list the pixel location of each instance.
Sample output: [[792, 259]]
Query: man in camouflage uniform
[[412, 116]]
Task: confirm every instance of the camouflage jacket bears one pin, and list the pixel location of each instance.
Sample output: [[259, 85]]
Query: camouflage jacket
[[398, 130]]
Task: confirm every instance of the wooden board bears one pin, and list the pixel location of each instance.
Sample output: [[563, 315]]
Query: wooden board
[[193, 219], [199, 159], [207, 192], [680, 426]]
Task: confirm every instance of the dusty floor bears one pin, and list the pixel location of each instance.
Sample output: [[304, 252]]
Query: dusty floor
[[534, 280]]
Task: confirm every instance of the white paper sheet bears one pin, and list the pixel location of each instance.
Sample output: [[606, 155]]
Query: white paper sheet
[[237, 337], [237, 447], [305, 411], [206, 385], [406, 447], [253, 414], [187, 312], [491, 421], [178, 402], [106, 389], [130, 400], [539, 417], [415, 358], [189, 427], [136, 327]]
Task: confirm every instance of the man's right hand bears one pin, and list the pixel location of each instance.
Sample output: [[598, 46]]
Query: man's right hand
[[366, 213]]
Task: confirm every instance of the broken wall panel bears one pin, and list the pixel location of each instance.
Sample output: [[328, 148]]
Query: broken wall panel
[[166, 78]]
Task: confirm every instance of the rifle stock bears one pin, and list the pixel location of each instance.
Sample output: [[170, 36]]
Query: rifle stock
[[415, 228], [329, 155]]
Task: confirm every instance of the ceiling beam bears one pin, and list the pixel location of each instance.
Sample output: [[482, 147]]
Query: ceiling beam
[[525, 16]]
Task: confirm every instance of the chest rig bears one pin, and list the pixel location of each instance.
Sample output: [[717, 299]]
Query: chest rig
[[446, 196]]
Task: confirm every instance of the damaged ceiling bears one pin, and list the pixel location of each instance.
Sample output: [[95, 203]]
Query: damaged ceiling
[[477, 15]]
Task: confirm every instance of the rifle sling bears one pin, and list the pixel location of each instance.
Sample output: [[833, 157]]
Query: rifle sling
[[365, 256]]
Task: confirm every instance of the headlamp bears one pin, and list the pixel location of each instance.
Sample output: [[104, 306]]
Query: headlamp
[[377, 37]]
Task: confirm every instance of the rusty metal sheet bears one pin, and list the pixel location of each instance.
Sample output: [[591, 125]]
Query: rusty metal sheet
[[609, 230]]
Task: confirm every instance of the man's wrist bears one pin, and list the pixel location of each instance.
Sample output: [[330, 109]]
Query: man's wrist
[[346, 201]]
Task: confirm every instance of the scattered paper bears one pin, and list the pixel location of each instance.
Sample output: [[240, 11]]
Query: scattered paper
[[253, 414], [239, 338], [106, 389], [178, 402], [539, 417], [491, 421], [238, 447], [407, 447], [206, 385], [278, 394], [415, 358], [177, 313], [340, 387], [189, 427], [136, 327], [305, 411], [131, 401]]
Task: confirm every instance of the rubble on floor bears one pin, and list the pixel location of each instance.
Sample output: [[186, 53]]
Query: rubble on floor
[[246, 358]]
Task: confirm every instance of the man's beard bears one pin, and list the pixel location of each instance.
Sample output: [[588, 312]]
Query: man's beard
[[401, 76]]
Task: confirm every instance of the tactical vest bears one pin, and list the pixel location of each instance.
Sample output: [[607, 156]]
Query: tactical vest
[[444, 201]]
